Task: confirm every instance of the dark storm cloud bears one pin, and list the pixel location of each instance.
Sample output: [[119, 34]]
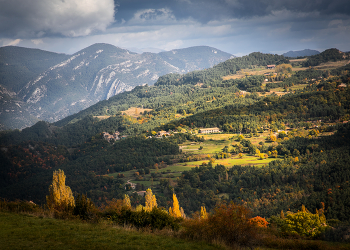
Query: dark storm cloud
[[235, 26], [209, 10]]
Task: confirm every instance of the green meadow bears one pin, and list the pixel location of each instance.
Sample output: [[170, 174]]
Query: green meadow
[[22, 231], [192, 156]]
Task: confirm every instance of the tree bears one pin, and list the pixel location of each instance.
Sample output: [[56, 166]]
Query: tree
[[204, 214], [304, 223], [60, 196], [259, 221], [151, 200], [126, 201], [84, 207], [175, 210]]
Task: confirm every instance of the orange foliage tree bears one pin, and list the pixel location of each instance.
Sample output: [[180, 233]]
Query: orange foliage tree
[[259, 221]]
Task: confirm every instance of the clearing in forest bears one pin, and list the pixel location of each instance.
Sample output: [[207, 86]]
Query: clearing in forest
[[135, 112]]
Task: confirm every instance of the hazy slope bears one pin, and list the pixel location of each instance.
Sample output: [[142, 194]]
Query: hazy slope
[[97, 73]]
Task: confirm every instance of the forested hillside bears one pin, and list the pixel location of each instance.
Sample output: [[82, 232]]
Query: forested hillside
[[41, 85], [283, 141]]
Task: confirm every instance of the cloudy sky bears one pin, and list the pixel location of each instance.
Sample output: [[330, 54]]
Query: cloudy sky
[[235, 26]]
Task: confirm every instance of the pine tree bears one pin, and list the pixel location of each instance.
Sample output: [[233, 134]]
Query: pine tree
[[151, 200], [175, 210], [60, 196]]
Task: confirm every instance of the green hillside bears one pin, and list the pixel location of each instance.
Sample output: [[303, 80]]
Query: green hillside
[[19, 65], [282, 142]]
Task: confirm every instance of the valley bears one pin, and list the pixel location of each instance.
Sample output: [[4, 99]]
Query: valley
[[282, 144]]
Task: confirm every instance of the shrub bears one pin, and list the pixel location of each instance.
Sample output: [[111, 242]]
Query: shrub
[[304, 223], [228, 223], [157, 218], [84, 208], [340, 233], [259, 221], [19, 206]]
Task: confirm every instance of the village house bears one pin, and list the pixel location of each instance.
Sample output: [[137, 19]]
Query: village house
[[272, 66], [161, 133], [209, 130], [132, 185], [111, 137], [141, 193]]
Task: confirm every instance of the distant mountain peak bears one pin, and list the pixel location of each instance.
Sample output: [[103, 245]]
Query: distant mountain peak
[[301, 53]]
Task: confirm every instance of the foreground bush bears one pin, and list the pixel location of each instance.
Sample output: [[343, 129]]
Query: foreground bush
[[341, 233], [157, 218], [19, 207], [228, 223], [85, 208], [304, 223]]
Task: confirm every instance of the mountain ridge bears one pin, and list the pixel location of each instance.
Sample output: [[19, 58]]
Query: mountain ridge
[[301, 53], [92, 74]]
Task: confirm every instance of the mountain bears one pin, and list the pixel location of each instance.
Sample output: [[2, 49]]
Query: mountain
[[301, 53], [53, 86], [19, 65]]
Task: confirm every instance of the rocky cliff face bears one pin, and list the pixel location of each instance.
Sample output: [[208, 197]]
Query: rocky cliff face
[[101, 71]]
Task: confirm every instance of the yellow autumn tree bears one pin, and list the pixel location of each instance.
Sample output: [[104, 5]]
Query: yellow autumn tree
[[204, 214], [126, 201], [175, 211], [60, 196], [151, 200]]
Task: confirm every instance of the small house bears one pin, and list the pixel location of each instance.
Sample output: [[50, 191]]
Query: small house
[[209, 130]]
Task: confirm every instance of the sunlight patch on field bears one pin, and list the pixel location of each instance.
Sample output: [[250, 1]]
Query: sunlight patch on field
[[248, 72], [246, 160], [135, 112], [102, 117]]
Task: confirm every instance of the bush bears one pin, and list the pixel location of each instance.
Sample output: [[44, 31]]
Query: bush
[[228, 223], [19, 206], [84, 208], [340, 233], [304, 223], [157, 218]]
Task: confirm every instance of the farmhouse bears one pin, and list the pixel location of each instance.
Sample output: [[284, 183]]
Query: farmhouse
[[108, 137], [209, 130], [162, 133], [272, 66]]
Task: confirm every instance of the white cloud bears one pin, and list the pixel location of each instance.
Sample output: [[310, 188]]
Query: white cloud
[[14, 42], [37, 41], [37, 18]]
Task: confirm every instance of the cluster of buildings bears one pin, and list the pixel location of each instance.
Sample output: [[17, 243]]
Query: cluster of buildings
[[113, 137]]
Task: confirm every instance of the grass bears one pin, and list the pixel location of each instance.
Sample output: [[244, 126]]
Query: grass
[[135, 112], [214, 143], [20, 231], [102, 117], [250, 72], [246, 160]]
